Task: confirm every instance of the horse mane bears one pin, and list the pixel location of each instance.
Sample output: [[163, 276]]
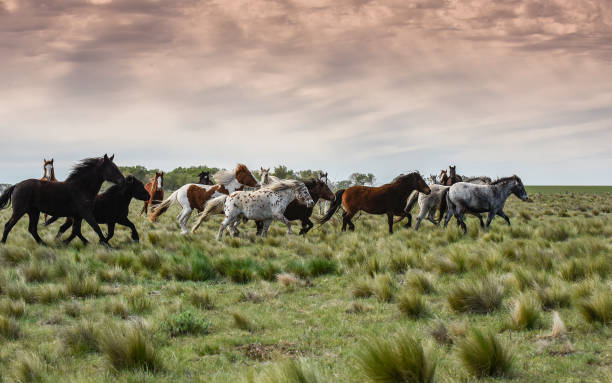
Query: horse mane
[[402, 176], [224, 177], [312, 181], [83, 168], [481, 178], [284, 184], [505, 179]]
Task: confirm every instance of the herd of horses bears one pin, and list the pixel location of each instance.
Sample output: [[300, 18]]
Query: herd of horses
[[77, 199]]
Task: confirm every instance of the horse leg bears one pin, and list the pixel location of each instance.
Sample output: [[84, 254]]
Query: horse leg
[[11, 222], [111, 230], [183, 217], [76, 230], [504, 216], [145, 208], [490, 218], [259, 226], [346, 219], [449, 215], [306, 225], [125, 221], [281, 217], [33, 226], [390, 222], [482, 225], [64, 227], [227, 221], [409, 216], [420, 218], [266, 226], [91, 220], [459, 216]]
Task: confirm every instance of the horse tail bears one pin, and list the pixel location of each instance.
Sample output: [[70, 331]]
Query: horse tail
[[411, 201], [445, 203], [332, 208], [213, 206], [5, 199], [163, 206]]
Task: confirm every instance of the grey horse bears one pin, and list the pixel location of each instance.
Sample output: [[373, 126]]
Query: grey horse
[[464, 197]]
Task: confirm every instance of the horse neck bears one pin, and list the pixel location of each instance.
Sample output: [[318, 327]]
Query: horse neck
[[52, 177], [505, 188], [233, 185], [287, 195], [90, 184], [403, 189]]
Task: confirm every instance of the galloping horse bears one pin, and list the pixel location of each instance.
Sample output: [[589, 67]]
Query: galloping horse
[[195, 196], [452, 179], [464, 198], [155, 188], [112, 207], [204, 178], [266, 204], [71, 198], [389, 199]]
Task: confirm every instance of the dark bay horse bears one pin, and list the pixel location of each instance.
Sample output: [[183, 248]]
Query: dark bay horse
[[204, 178], [155, 188], [389, 199], [318, 189], [71, 198], [112, 207], [451, 179], [465, 197]]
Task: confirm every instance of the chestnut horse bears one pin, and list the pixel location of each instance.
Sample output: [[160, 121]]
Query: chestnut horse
[[389, 199], [48, 175], [195, 196], [452, 179], [155, 188]]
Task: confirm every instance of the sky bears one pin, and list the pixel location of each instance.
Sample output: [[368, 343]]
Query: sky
[[494, 87]]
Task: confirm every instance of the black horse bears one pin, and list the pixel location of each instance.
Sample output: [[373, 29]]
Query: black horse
[[112, 207], [73, 197], [205, 178], [296, 210]]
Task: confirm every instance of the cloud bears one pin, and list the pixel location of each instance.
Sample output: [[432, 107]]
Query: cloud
[[341, 85]]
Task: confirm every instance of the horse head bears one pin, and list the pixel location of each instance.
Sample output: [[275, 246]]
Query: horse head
[[264, 176], [135, 188], [302, 194], [159, 178], [48, 168], [204, 178], [109, 170], [320, 189], [245, 177], [518, 189]]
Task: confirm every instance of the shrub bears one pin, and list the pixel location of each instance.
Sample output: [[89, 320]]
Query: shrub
[[482, 354], [186, 323], [81, 338], [401, 360], [412, 305], [9, 328], [420, 282], [597, 307], [525, 313], [476, 296], [129, 348]]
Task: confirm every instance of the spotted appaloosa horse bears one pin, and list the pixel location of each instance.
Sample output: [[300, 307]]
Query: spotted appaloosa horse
[[465, 197], [155, 188], [389, 199], [195, 196], [204, 178], [266, 204]]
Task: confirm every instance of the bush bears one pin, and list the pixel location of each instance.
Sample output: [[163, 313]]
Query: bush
[[483, 355], [400, 360], [186, 323], [412, 305], [597, 307], [476, 296], [129, 348]]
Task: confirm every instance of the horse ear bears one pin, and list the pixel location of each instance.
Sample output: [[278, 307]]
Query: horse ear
[[101, 160], [51, 160], [112, 157], [44, 160]]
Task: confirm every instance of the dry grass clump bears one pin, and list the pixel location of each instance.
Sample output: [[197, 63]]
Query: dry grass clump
[[401, 360], [290, 371], [128, 347], [287, 280], [384, 287], [202, 300], [138, 301], [9, 328], [412, 305], [362, 289], [242, 322], [440, 333], [117, 307], [525, 313], [28, 367], [81, 338], [483, 355], [357, 308], [420, 281], [82, 287], [555, 296], [13, 308], [479, 297], [558, 327], [35, 272], [597, 307]]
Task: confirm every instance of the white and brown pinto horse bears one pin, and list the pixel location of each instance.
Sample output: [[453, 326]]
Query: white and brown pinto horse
[[266, 204], [195, 196]]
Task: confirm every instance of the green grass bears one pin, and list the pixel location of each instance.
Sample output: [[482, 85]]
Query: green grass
[[292, 308], [555, 189]]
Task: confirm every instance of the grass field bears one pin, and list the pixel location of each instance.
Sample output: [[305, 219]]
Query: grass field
[[188, 308], [569, 189]]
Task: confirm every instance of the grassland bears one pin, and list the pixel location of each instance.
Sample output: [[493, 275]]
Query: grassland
[[569, 189], [188, 308]]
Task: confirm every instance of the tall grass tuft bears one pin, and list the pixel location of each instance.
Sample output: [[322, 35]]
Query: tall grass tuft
[[15, 309], [421, 282], [81, 338], [401, 360], [482, 354], [558, 327], [362, 289], [129, 348], [556, 296], [320, 266], [476, 296], [185, 323], [412, 305], [242, 322], [384, 287], [597, 307], [82, 287], [525, 313], [29, 368], [291, 371], [202, 300], [9, 328]]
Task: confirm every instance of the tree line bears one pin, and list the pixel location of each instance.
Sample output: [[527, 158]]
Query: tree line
[[181, 176]]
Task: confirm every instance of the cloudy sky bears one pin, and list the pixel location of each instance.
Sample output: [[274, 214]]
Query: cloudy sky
[[495, 87]]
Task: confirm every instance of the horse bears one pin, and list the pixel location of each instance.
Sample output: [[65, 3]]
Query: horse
[[389, 199], [155, 188], [464, 197], [265, 178], [266, 204], [317, 189], [204, 178], [427, 205], [453, 178], [73, 197], [323, 202], [195, 196], [48, 175], [443, 177], [49, 171], [112, 207]]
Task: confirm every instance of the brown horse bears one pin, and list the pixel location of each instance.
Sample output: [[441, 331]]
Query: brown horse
[[49, 171], [389, 199], [443, 177], [155, 188], [452, 179]]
